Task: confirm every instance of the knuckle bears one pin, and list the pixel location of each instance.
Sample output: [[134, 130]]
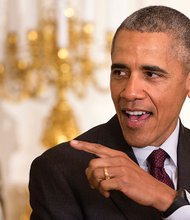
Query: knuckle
[[122, 154], [96, 173], [97, 146], [121, 183], [122, 159], [93, 163], [122, 169], [102, 184], [125, 174]]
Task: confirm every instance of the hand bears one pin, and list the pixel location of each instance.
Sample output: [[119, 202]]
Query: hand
[[125, 176]]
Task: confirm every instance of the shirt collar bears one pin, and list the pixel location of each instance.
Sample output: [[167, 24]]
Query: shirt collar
[[170, 146]]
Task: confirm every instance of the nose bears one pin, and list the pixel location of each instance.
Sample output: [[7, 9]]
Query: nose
[[134, 88]]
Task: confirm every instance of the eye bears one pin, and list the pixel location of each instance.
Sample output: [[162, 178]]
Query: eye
[[152, 74], [118, 73]]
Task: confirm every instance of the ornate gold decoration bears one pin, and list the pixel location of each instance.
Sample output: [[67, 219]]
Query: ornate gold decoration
[[46, 64]]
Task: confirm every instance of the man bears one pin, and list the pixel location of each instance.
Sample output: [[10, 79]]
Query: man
[[109, 172]]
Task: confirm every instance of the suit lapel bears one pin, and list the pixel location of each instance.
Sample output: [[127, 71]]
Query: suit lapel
[[183, 152]]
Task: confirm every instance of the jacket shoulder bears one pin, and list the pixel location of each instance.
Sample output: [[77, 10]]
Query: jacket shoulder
[[63, 150]]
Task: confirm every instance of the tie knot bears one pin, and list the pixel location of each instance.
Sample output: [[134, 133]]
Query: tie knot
[[157, 157]]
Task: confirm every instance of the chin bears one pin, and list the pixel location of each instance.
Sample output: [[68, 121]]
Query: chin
[[135, 141]]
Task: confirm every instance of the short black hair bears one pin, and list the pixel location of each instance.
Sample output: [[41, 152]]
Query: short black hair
[[161, 19]]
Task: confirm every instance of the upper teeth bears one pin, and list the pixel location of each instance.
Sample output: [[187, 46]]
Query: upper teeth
[[135, 112]]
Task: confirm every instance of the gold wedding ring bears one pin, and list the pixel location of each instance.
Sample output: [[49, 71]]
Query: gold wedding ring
[[106, 174]]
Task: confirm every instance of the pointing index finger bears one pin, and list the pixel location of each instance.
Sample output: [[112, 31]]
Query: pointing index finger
[[97, 149]]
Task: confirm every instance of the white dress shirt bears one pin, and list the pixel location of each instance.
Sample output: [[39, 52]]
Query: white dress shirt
[[170, 165]]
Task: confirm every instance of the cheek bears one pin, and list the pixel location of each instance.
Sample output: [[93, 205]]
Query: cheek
[[114, 97], [169, 105], [115, 91], [117, 85]]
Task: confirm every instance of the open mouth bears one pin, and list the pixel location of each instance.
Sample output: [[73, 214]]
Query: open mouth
[[137, 115]]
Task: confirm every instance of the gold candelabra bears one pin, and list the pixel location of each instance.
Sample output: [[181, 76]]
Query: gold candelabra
[[68, 68], [28, 72]]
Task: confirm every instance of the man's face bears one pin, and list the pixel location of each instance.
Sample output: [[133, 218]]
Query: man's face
[[148, 86]]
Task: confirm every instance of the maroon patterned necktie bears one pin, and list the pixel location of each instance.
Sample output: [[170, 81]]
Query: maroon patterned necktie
[[155, 163]]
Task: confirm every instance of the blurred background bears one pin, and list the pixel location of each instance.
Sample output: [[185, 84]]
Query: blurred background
[[54, 80]]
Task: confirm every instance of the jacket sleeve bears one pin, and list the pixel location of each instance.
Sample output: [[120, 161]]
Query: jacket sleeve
[[51, 196]]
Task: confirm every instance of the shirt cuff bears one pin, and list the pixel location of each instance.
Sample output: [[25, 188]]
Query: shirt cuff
[[182, 213]]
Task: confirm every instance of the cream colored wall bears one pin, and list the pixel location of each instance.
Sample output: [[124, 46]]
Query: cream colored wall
[[22, 123]]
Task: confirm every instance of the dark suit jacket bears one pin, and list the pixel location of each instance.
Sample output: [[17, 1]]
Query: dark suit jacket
[[59, 189]]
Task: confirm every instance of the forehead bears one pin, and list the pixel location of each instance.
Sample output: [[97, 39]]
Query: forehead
[[143, 45], [135, 49], [142, 40]]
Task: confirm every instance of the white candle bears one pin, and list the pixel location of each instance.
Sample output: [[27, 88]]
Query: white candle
[[28, 10], [12, 16], [28, 20], [113, 14], [89, 10], [62, 35], [33, 16], [2, 29]]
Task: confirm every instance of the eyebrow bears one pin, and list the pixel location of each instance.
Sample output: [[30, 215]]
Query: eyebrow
[[118, 66], [143, 67], [153, 68]]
